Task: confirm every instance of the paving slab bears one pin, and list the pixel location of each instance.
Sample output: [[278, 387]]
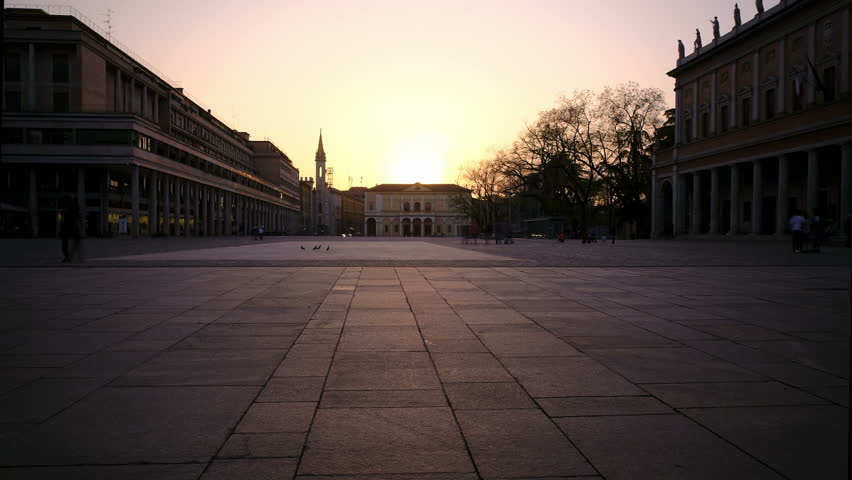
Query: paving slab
[[799, 442], [568, 376], [384, 440], [658, 446], [519, 443], [263, 445], [204, 367], [134, 425], [253, 468]]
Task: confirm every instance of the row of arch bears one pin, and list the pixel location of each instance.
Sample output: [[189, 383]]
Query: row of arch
[[410, 228], [427, 207]]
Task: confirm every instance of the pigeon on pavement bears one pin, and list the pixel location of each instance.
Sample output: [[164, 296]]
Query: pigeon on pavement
[[301, 247], [328, 248]]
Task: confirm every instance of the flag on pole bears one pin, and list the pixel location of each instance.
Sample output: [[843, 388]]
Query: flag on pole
[[817, 81]]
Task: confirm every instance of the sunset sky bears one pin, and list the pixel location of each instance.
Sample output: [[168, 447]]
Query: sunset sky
[[404, 91]]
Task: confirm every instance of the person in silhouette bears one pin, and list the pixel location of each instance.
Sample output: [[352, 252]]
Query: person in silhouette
[[715, 23], [797, 227], [69, 228], [697, 43], [737, 19]]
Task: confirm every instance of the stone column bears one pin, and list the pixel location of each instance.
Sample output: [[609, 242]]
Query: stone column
[[145, 101], [845, 40], [813, 182], [119, 92], [167, 207], [782, 78], [33, 202], [132, 95], [197, 209], [845, 181], [229, 213], [134, 200], [211, 212], [675, 204], [696, 203], [695, 117], [31, 80], [712, 129], [756, 196], [678, 123], [177, 183], [733, 92], [755, 88], [156, 108], [735, 200], [811, 82], [239, 202], [714, 201], [104, 217], [781, 198], [81, 200], [655, 208], [153, 207], [202, 201], [187, 194]]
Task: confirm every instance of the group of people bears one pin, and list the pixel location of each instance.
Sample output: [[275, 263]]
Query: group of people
[[804, 229]]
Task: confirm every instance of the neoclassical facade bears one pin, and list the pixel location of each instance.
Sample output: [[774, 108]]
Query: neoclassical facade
[[84, 117], [763, 125], [414, 210]]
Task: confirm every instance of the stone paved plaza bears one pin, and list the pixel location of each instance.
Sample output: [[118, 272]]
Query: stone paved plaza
[[725, 360]]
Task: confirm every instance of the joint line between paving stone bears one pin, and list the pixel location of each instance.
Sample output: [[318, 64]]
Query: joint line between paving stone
[[260, 390], [435, 368]]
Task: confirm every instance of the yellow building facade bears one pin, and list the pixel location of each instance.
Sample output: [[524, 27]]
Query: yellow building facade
[[415, 210]]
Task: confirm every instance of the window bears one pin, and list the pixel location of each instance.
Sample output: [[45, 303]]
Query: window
[[60, 68], [769, 99], [60, 102], [705, 125], [438, 228], [428, 207], [13, 101], [13, 135], [746, 112], [103, 137], [396, 228], [406, 207], [57, 136], [12, 67], [724, 118], [387, 228], [828, 84], [372, 206], [416, 206], [688, 132]]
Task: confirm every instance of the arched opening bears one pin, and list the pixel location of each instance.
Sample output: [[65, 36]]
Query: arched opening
[[417, 227], [428, 207], [427, 227], [406, 207], [406, 227], [668, 214], [416, 206], [371, 227]]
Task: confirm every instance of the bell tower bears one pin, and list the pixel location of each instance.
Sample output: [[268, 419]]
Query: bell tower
[[322, 205]]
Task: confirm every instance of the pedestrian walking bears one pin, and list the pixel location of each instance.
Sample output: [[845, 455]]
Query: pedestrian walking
[[258, 232], [797, 226], [69, 228]]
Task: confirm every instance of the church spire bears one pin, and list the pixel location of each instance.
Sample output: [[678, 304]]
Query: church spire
[[320, 152]]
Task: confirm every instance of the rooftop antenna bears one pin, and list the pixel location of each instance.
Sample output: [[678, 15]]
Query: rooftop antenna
[[350, 181], [108, 23], [362, 181]]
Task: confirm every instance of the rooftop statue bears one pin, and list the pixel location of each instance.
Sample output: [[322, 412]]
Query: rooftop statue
[[715, 23], [737, 20], [759, 5], [697, 43], [680, 52]]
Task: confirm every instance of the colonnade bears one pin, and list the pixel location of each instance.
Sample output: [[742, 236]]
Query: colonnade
[[687, 217]]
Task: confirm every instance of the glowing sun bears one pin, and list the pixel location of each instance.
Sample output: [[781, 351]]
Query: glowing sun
[[418, 157]]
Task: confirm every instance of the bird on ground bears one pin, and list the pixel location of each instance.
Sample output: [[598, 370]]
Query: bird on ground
[[328, 248], [301, 247], [317, 247]]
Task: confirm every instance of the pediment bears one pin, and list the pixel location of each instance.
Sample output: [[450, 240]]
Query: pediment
[[418, 187]]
